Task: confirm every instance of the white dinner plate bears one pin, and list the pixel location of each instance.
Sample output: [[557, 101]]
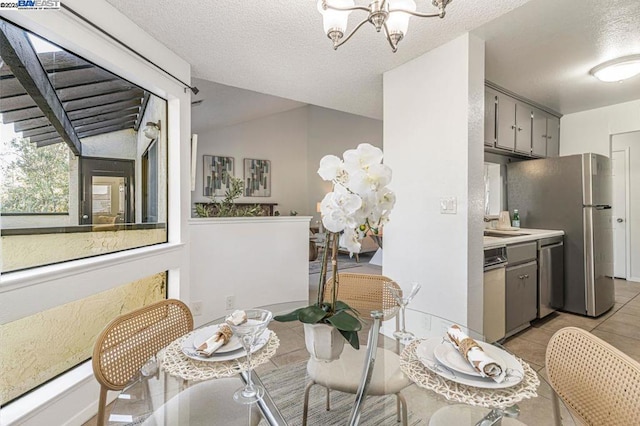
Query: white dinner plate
[[189, 351], [514, 371], [450, 357], [202, 335]]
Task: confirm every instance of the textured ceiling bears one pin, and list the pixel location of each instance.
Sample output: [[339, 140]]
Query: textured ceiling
[[225, 106], [278, 46], [545, 49]]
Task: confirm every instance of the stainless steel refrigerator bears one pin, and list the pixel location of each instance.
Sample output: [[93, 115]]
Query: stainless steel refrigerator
[[571, 193]]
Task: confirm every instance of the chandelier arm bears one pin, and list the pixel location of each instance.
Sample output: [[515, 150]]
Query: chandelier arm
[[394, 47], [326, 6], [344, 40], [418, 14]]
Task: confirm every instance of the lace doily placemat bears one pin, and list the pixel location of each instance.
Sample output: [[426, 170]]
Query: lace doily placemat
[[411, 365], [178, 364]]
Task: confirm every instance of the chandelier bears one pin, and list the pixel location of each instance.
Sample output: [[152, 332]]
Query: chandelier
[[392, 16]]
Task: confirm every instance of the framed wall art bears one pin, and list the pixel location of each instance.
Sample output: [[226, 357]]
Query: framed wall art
[[257, 178], [217, 172]]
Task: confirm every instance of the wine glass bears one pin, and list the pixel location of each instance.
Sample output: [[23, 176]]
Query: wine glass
[[403, 335], [248, 332]]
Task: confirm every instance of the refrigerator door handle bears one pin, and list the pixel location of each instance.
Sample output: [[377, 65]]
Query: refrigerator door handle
[[598, 206]]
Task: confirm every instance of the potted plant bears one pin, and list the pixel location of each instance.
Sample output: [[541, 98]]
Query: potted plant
[[359, 203]]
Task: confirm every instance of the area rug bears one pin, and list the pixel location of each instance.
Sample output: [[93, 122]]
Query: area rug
[[286, 386], [344, 262]]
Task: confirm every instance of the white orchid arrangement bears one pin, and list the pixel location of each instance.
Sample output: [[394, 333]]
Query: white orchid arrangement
[[360, 200]]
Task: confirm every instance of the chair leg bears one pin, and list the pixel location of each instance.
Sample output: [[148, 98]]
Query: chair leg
[[102, 405], [305, 409], [401, 407], [555, 402], [328, 408]]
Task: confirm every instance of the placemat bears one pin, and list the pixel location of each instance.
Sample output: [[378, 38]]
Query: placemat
[[176, 363], [411, 365]]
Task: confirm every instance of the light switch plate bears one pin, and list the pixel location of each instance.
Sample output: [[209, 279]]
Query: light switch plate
[[448, 205]]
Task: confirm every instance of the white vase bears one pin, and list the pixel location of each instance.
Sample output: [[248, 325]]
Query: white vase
[[324, 342]]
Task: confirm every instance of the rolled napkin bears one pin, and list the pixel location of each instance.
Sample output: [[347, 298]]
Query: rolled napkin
[[222, 336], [473, 353]]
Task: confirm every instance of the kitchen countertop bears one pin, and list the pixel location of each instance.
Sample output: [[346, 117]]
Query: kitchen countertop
[[532, 235]]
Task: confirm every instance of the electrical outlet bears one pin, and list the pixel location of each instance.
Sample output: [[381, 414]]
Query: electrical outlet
[[196, 308], [230, 302]]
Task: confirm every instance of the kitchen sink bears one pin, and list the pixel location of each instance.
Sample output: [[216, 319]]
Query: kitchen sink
[[504, 234]]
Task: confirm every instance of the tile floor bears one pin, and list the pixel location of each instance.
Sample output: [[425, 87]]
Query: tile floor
[[620, 327]]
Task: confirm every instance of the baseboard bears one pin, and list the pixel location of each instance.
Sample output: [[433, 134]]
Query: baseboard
[[636, 279]]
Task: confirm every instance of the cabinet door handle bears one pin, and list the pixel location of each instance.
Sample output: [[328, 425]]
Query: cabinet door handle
[[513, 127], [521, 277], [545, 136], [549, 137], [526, 275], [519, 129]]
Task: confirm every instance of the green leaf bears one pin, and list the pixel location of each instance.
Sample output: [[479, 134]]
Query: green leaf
[[291, 316], [344, 322], [341, 306], [352, 338], [311, 314]]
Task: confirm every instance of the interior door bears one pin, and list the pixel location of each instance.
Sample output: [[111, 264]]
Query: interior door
[[619, 209], [107, 191]]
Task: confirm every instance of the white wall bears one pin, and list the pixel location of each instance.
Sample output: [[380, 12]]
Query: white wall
[[265, 262], [294, 141], [26, 292], [591, 130], [433, 127], [632, 141], [280, 138]]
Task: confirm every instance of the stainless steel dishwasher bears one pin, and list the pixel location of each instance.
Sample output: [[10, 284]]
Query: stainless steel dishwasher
[[495, 261], [550, 275]]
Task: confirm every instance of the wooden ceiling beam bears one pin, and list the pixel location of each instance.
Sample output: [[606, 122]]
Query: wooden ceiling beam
[[143, 108], [130, 113], [17, 52], [127, 125]]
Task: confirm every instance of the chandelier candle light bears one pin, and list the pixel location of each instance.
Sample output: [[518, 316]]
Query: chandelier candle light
[[392, 16], [360, 203]]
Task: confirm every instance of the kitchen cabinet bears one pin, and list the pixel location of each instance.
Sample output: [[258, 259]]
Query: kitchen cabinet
[[505, 122], [545, 135], [490, 105], [521, 295], [521, 286], [553, 136], [523, 128], [517, 126]]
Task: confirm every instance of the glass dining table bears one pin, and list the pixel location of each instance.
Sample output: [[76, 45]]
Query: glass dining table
[[441, 392]]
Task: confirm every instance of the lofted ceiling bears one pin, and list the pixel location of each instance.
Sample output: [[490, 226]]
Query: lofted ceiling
[[217, 105], [278, 47], [540, 49]]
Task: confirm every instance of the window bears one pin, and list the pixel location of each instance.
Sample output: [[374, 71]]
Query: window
[[73, 148]]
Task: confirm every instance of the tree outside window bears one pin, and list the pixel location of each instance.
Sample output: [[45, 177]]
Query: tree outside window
[[34, 180]]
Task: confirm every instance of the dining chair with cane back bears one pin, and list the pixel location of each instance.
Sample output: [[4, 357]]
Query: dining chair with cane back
[[597, 382], [364, 293], [131, 340]]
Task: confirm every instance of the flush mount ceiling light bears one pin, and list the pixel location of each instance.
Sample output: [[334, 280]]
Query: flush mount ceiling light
[[152, 130], [617, 69], [392, 16]]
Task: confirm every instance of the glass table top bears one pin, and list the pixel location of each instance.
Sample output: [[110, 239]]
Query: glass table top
[[157, 398]]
